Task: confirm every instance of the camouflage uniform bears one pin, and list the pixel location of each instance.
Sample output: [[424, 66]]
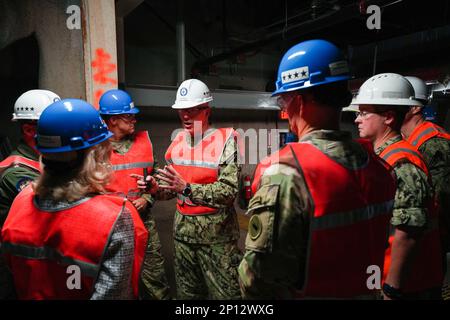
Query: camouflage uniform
[[413, 192], [276, 245], [206, 251], [15, 178], [153, 284], [12, 181], [436, 152]]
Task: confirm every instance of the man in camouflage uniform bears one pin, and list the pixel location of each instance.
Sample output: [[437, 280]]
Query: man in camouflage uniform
[[433, 142], [132, 153], [382, 103], [317, 198], [206, 183], [22, 165]]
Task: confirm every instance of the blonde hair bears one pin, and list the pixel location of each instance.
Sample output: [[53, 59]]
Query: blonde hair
[[91, 176]]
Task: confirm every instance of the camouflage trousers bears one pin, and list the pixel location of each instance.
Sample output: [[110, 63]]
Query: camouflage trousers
[[153, 284], [207, 271]]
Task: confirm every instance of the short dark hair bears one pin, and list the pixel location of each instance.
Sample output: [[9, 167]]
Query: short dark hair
[[334, 95]]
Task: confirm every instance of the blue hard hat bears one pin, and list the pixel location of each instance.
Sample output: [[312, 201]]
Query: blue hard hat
[[311, 63], [70, 125], [116, 101]]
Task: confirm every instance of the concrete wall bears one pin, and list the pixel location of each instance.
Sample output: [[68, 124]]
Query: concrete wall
[[58, 51]]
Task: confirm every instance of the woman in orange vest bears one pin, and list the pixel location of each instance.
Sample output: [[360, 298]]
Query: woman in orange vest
[[63, 238], [413, 264]]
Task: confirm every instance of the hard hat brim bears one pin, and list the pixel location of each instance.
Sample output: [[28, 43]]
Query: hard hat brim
[[351, 108], [131, 111], [307, 84], [388, 102], [69, 148], [30, 118], [188, 104]]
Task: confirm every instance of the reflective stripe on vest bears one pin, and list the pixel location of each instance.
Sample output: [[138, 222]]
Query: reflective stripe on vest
[[399, 150], [194, 163], [341, 219], [426, 131], [198, 163], [40, 253], [138, 157], [403, 151], [21, 161], [135, 165]]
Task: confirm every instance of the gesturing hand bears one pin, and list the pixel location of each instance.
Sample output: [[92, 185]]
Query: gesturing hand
[[150, 184], [175, 181]]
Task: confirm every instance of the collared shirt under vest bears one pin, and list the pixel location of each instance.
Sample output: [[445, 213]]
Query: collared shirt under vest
[[40, 245], [138, 157], [198, 163], [349, 220], [426, 272]]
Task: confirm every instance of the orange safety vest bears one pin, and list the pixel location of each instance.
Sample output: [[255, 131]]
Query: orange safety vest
[[349, 222], [138, 157], [425, 132], [197, 164], [40, 245], [427, 271], [421, 134], [19, 161]]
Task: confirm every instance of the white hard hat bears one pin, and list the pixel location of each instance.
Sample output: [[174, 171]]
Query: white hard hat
[[192, 93], [420, 88], [32, 103], [351, 108], [386, 89]]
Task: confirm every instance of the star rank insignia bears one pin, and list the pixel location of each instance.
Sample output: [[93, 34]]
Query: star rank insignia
[[296, 74]]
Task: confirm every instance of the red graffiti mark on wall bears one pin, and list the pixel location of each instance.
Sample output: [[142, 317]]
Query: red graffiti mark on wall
[[103, 68]]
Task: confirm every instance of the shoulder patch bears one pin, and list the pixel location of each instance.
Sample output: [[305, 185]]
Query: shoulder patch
[[22, 183], [255, 227]]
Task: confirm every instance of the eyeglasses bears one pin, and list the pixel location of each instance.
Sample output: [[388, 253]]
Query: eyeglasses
[[285, 99], [365, 114], [127, 117]]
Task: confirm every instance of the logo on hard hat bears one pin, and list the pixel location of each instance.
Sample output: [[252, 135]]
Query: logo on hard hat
[[183, 91], [295, 74]]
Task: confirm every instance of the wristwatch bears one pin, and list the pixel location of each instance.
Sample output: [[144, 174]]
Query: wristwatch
[[391, 292], [187, 191]]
